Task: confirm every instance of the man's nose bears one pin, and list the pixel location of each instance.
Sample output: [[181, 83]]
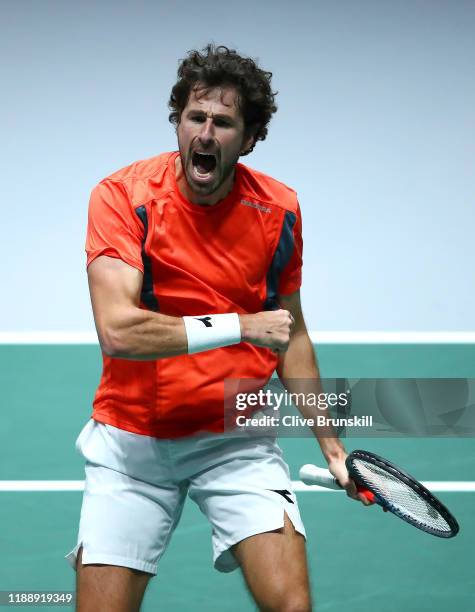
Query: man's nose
[[207, 132]]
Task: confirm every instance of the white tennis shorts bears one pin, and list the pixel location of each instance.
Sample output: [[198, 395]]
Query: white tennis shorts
[[136, 486]]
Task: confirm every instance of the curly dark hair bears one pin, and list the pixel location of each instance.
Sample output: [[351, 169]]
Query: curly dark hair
[[220, 66]]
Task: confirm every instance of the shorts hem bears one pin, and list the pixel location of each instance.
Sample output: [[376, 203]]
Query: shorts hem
[[226, 562], [107, 559]]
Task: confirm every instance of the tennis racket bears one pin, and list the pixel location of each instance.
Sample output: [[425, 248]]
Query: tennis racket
[[393, 489]]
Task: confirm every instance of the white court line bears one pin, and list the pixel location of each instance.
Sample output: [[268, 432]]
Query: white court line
[[317, 337], [44, 337], [297, 485], [41, 485], [432, 485], [390, 337]]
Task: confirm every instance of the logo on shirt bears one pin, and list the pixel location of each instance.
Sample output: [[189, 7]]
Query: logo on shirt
[[254, 205], [205, 320]]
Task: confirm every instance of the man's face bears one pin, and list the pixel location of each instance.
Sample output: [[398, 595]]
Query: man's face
[[210, 140]]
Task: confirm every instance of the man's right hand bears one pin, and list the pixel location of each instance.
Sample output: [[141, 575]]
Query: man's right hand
[[269, 329]]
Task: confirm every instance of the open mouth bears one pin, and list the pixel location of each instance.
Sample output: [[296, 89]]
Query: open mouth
[[203, 163]]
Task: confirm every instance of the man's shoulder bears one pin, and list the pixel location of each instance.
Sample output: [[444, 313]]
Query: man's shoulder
[[151, 168], [265, 188], [138, 182]]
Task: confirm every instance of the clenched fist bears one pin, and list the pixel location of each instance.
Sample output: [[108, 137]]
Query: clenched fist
[[269, 329]]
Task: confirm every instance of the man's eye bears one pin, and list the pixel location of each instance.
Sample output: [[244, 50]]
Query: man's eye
[[222, 123], [197, 119]]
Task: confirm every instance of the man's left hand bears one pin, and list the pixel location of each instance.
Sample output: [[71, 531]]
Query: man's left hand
[[338, 469]]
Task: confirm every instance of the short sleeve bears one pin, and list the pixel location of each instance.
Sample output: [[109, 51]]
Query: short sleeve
[[291, 276], [113, 228]]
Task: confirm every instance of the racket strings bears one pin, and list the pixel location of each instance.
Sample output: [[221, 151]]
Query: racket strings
[[401, 496]]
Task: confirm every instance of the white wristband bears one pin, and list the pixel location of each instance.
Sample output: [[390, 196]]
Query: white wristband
[[207, 332]]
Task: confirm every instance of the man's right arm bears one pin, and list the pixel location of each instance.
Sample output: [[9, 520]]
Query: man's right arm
[[127, 331]]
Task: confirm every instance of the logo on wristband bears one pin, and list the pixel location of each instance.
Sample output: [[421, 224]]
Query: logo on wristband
[[205, 320]]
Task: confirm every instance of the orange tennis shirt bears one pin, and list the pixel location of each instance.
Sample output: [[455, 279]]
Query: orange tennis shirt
[[236, 256]]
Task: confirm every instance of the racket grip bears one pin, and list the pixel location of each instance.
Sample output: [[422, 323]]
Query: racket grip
[[368, 494], [312, 475]]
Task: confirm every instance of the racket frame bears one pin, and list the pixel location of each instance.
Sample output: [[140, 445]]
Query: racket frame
[[408, 480]]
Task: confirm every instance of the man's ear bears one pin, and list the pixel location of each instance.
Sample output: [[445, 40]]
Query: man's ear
[[248, 142]]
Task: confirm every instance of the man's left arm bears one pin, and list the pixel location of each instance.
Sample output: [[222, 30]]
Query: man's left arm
[[299, 362]]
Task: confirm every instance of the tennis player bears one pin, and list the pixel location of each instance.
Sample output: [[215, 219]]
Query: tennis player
[[194, 265]]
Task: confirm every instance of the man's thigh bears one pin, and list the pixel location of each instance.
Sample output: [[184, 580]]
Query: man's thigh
[[274, 565], [109, 588]]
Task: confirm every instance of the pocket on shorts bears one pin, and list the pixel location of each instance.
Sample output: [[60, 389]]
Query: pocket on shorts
[[83, 435]]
